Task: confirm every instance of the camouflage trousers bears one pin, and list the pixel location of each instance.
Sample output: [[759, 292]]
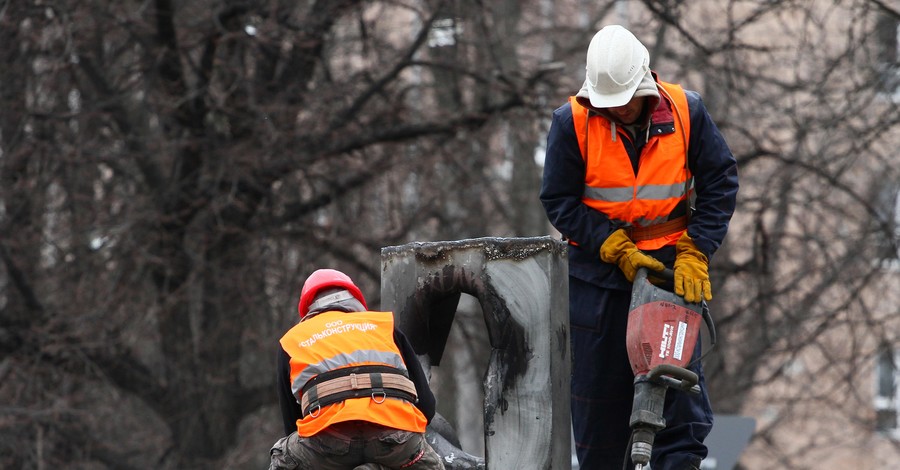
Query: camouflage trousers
[[355, 445]]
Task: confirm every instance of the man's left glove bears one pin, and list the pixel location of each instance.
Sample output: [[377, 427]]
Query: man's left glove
[[691, 271], [619, 249]]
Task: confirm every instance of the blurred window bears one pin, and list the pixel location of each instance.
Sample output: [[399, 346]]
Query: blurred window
[[887, 395]]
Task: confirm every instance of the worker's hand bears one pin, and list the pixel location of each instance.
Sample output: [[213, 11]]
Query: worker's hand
[[691, 271], [619, 249]]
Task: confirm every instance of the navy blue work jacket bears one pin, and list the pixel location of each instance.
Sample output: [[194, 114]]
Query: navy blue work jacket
[[715, 188]]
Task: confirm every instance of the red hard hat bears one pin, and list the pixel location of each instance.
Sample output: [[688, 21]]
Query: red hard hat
[[325, 279]]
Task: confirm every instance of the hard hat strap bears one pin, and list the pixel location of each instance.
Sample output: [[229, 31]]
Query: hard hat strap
[[329, 299]]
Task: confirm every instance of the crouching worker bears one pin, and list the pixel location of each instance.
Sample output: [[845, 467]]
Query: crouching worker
[[353, 395]]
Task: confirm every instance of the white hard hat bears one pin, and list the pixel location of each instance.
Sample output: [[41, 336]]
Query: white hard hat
[[616, 64]]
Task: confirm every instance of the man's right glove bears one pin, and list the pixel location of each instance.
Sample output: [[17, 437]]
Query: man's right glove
[[619, 249], [691, 271]]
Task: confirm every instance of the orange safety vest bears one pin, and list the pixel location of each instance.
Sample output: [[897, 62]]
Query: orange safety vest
[[334, 340], [661, 184]]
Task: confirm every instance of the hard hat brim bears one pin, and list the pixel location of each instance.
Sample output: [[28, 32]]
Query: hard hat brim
[[607, 100]]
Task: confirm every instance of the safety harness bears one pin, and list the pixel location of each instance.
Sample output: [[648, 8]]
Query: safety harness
[[378, 382], [673, 225]]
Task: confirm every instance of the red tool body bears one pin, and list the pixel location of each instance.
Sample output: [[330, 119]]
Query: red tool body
[[662, 334]]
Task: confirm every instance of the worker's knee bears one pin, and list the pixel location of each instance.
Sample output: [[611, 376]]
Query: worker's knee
[[428, 458], [410, 450], [279, 456], [286, 454]]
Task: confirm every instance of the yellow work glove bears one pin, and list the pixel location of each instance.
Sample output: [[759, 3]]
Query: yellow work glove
[[691, 271], [619, 249]]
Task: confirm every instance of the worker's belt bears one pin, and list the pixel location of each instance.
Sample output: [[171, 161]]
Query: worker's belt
[[637, 234], [378, 382]]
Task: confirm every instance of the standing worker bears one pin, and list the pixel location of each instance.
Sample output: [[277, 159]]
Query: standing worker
[[625, 158], [353, 394]]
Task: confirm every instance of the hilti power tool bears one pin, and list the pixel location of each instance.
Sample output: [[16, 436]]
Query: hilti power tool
[[662, 332]]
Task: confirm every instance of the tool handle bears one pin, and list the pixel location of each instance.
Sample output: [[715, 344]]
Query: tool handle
[[664, 275], [675, 377]]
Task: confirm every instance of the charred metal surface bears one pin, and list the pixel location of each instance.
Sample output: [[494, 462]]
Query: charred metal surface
[[522, 287]]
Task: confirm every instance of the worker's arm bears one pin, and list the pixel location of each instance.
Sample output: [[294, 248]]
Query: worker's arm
[[426, 402], [290, 409], [563, 185], [715, 179]]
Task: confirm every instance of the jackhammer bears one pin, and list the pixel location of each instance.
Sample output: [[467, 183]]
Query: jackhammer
[[662, 332]]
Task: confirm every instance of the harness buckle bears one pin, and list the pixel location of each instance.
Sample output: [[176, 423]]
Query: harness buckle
[[381, 394]]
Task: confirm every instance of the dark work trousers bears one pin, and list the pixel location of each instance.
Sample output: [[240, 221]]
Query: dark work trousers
[[355, 445], [603, 389]]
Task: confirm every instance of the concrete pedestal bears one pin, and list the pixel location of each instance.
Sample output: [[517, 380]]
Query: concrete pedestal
[[522, 287]]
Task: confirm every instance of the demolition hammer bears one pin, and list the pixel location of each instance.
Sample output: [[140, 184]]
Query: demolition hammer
[[662, 332]]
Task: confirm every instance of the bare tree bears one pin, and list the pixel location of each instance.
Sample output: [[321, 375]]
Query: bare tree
[[174, 170], [171, 171]]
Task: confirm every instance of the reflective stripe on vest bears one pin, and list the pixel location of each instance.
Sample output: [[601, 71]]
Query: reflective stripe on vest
[[334, 340], [611, 186]]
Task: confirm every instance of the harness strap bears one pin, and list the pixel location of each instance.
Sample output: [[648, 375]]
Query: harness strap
[[357, 382], [668, 227]]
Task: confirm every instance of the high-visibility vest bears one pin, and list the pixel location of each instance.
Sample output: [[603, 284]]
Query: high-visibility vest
[[335, 340], [647, 199]]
